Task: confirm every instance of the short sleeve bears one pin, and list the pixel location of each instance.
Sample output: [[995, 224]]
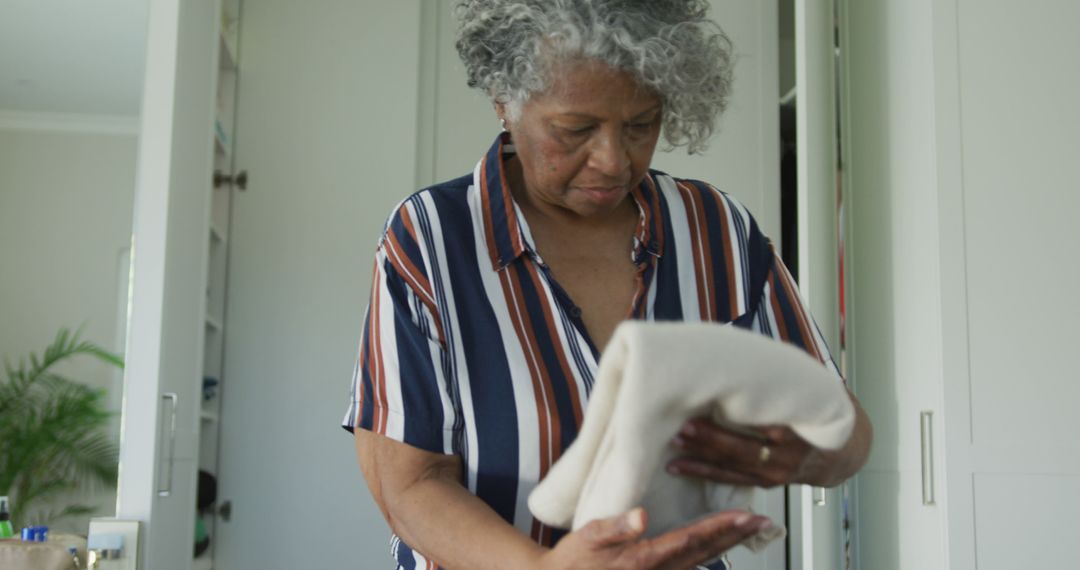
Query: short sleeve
[[399, 388], [781, 313]]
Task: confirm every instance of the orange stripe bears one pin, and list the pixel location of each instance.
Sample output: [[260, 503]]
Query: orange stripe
[[802, 320], [485, 201], [780, 324], [695, 217], [659, 237], [545, 377], [379, 392], [541, 376], [406, 220], [508, 204], [546, 539], [729, 253], [554, 333], [644, 222], [416, 280], [514, 304], [407, 269]]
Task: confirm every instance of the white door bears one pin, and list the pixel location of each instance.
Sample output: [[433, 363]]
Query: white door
[[896, 308], [166, 320], [815, 513], [326, 129]]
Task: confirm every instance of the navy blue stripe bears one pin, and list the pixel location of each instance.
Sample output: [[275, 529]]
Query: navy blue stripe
[[575, 351], [409, 247], [449, 363], [714, 227], [791, 321], [367, 409], [420, 394], [404, 556], [560, 385], [668, 303], [489, 371]]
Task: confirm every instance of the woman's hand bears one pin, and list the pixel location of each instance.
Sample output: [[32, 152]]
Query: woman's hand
[[768, 456], [757, 457], [616, 543]]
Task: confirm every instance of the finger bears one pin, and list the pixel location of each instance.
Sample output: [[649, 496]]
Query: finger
[[615, 530], [699, 541], [712, 472], [739, 453], [718, 445]]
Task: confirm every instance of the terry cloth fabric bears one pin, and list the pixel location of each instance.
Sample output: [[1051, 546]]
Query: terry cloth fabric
[[655, 376]]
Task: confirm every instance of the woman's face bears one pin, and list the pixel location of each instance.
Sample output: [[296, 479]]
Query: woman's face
[[584, 142]]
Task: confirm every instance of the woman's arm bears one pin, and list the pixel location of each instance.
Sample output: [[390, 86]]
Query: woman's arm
[[423, 500]]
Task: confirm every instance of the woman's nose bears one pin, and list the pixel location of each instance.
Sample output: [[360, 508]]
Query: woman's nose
[[610, 155]]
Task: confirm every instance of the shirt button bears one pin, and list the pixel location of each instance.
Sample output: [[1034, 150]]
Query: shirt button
[[576, 312]]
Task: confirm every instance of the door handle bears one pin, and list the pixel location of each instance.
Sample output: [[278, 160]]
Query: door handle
[[173, 400], [239, 180], [926, 433], [820, 499], [225, 511]]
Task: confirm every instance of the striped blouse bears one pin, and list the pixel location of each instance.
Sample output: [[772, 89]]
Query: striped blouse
[[470, 347]]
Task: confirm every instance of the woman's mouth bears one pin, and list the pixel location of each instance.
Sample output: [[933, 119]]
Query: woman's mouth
[[603, 194]]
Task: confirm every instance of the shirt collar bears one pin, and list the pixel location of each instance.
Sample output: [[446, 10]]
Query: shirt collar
[[507, 233]]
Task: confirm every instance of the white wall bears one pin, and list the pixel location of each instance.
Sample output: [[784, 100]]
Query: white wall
[[65, 226]]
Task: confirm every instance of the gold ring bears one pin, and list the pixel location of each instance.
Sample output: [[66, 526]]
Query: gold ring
[[763, 455]]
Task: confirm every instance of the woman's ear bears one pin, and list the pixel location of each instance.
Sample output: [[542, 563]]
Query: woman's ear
[[500, 111]]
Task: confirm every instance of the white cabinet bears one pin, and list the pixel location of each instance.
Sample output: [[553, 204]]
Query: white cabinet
[[962, 231], [176, 315]]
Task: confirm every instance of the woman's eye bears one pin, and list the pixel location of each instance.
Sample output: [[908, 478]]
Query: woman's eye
[[577, 130]]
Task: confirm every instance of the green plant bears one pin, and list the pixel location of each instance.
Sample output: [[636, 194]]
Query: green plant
[[53, 431]]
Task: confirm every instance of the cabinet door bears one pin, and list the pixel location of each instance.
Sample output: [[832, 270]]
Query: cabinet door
[[895, 327], [165, 336], [1008, 205]]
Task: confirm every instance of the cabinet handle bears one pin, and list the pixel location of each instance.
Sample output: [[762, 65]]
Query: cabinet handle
[[820, 500], [173, 400], [926, 431]]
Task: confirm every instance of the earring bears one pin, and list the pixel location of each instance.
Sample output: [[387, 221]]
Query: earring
[[503, 123]]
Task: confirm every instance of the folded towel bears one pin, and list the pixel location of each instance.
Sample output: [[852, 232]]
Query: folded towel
[[654, 377]]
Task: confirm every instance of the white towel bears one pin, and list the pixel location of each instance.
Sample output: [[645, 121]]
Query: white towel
[[653, 377]]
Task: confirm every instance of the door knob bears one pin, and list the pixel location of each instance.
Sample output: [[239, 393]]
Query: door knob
[[225, 511], [239, 180]]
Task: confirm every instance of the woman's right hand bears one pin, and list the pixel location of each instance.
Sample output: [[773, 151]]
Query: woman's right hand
[[616, 543]]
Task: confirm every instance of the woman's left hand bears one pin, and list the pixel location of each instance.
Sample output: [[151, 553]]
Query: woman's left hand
[[759, 457]]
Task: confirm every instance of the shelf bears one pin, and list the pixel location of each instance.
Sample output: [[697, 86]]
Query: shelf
[[788, 97], [227, 53], [213, 323], [209, 417]]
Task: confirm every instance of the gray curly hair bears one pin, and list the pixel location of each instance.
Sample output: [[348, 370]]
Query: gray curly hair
[[669, 46]]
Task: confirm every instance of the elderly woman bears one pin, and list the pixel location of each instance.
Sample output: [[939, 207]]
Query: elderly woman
[[494, 293]]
